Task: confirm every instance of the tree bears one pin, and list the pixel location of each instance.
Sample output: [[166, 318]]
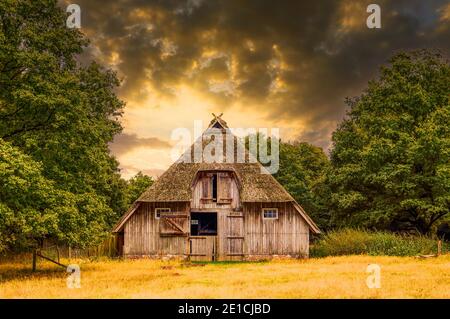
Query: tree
[[391, 155], [137, 185], [32, 208], [302, 173], [61, 115]]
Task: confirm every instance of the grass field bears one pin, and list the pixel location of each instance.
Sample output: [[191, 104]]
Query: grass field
[[331, 277]]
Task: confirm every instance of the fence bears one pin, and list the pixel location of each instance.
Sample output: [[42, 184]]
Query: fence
[[108, 248]]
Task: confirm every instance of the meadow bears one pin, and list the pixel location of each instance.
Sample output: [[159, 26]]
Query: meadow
[[329, 277]]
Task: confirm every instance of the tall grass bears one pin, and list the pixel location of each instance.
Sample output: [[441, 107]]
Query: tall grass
[[357, 242], [331, 277]]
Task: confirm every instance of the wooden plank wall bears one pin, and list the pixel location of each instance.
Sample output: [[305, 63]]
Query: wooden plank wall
[[287, 235], [142, 231]]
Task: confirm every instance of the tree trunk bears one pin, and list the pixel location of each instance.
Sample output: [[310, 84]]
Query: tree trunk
[[34, 260]]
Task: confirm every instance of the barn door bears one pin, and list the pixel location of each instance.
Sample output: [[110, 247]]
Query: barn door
[[202, 248], [235, 236]]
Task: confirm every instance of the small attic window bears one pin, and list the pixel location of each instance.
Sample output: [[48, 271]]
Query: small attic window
[[159, 211], [270, 213]]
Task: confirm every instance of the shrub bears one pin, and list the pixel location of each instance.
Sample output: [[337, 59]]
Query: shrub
[[357, 242]]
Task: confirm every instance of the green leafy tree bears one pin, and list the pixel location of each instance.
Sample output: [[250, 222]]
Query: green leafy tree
[[136, 186], [302, 173], [60, 114], [391, 155], [32, 208]]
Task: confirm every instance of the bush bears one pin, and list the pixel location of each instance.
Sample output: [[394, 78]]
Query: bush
[[357, 242]]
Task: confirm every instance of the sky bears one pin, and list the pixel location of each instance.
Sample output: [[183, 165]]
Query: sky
[[283, 64]]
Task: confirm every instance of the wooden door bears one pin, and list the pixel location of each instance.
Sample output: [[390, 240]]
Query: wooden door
[[235, 236], [202, 248]]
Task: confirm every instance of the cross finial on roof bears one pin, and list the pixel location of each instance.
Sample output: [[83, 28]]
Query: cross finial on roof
[[217, 121]]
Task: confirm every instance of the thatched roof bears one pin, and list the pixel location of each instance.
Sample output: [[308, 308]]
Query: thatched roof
[[175, 184]]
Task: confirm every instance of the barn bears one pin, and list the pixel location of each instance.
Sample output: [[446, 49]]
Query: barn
[[215, 211]]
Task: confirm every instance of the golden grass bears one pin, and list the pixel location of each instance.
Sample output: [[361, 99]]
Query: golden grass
[[331, 277]]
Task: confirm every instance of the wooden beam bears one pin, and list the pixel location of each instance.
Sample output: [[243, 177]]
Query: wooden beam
[[51, 260]]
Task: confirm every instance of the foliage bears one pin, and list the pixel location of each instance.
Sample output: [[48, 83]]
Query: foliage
[[32, 208], [302, 174], [355, 242], [137, 185], [391, 156], [60, 116]]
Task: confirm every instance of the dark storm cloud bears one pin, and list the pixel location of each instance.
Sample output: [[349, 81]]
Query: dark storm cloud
[[299, 59], [124, 143]]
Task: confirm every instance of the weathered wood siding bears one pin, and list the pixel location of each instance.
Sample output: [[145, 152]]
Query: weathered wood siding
[[287, 235], [234, 236], [142, 231], [240, 234], [202, 248]]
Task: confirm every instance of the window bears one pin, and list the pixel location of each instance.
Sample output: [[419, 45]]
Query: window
[[159, 211], [270, 213]]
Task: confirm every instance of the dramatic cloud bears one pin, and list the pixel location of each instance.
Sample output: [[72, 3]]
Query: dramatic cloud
[[292, 62], [140, 154], [124, 143]]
